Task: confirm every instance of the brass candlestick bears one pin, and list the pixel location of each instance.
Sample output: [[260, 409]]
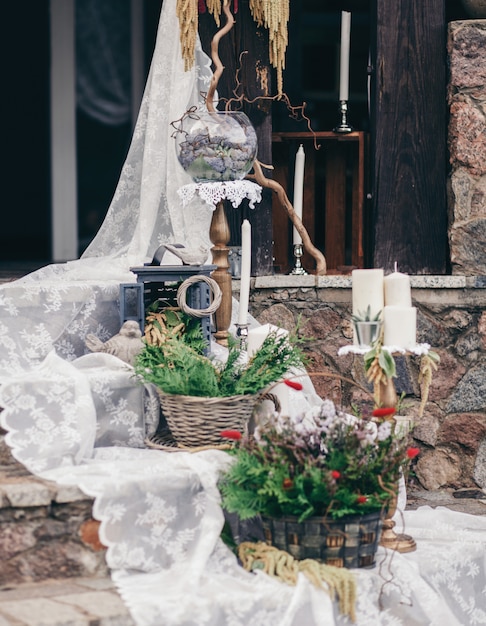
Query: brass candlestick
[[389, 538], [242, 335], [298, 253], [343, 127]]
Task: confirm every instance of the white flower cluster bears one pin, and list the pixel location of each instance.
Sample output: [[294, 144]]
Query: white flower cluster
[[323, 426]]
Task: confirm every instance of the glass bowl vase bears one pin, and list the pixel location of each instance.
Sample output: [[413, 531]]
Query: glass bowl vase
[[216, 145]]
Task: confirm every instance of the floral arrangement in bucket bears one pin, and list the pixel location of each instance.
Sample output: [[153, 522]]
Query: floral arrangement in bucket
[[323, 462]]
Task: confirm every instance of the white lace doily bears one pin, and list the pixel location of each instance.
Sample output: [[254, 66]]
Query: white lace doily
[[417, 350], [212, 193]]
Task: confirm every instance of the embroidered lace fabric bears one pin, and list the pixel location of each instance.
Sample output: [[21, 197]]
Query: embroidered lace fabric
[[79, 418]]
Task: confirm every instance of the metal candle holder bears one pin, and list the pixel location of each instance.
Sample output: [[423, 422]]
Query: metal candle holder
[[242, 335], [343, 127], [298, 252]]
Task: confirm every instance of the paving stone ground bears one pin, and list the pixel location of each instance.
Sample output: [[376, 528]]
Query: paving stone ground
[[67, 602]]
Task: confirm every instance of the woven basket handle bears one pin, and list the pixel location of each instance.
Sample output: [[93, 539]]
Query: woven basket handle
[[273, 398]]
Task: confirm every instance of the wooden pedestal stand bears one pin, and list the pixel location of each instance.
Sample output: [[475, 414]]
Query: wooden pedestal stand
[[219, 233]]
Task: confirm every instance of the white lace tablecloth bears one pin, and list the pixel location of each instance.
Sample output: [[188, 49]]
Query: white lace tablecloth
[[160, 512], [161, 519]]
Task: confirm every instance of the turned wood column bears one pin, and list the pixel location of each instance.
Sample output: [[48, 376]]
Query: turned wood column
[[219, 233]]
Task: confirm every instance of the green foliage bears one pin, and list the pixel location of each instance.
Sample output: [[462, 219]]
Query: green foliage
[[385, 360], [365, 316], [323, 463], [178, 366], [177, 369], [270, 363], [433, 356]]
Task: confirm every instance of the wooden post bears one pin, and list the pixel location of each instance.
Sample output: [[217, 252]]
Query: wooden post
[[219, 234], [408, 92]]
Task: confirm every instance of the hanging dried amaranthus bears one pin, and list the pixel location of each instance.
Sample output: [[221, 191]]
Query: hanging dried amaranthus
[[274, 15], [187, 12], [271, 14], [214, 7]]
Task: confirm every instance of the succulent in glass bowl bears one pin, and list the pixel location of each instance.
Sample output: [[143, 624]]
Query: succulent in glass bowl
[[216, 145]]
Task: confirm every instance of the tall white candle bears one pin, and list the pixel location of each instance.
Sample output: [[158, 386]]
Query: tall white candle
[[299, 189], [397, 290], [400, 326], [344, 59], [245, 272]]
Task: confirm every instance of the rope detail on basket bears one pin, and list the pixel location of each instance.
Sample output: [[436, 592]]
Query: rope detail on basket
[[282, 565], [214, 287]]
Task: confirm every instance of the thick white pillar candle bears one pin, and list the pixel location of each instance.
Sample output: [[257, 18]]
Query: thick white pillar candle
[[367, 290], [397, 290], [400, 326], [298, 189], [256, 336], [245, 272], [344, 58]]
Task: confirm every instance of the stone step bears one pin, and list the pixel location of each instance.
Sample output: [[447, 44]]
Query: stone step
[[7, 462], [46, 530]]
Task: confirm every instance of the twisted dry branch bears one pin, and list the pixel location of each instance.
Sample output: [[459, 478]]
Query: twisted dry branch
[[219, 67], [261, 179]]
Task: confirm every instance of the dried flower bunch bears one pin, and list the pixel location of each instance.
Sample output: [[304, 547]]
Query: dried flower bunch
[[272, 14], [323, 462], [380, 368]]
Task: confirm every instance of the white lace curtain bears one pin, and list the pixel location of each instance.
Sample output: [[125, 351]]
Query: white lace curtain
[[45, 316]]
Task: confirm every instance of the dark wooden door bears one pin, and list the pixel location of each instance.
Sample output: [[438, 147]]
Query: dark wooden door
[[408, 145]]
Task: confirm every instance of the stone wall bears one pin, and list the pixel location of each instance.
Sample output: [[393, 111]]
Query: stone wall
[[467, 146], [451, 318], [46, 530]]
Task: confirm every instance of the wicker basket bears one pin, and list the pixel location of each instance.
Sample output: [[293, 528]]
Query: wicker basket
[[198, 421], [349, 542]]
